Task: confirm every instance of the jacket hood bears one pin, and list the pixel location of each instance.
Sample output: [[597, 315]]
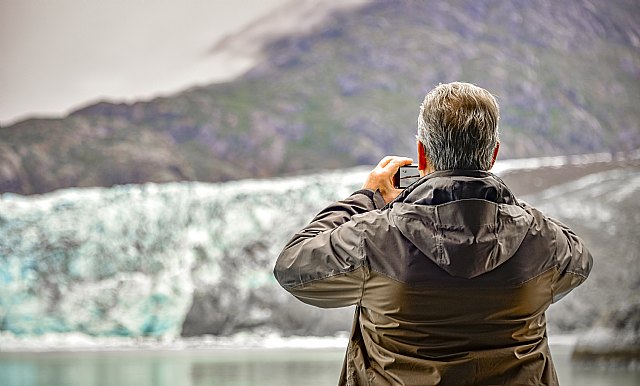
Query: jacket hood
[[467, 222]]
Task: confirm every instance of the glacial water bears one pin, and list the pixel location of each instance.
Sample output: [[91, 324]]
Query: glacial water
[[230, 367]]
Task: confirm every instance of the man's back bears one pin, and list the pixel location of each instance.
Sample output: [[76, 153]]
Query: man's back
[[451, 282]]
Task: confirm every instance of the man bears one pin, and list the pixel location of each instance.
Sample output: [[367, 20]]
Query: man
[[451, 277]]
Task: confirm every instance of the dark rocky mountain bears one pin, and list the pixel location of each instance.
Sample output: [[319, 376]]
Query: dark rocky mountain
[[567, 76]]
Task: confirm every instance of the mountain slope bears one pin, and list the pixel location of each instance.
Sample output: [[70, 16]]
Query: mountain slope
[[567, 76]]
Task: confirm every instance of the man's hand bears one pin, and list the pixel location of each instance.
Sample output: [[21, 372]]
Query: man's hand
[[381, 178]]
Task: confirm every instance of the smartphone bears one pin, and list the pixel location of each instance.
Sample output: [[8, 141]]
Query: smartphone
[[406, 176]]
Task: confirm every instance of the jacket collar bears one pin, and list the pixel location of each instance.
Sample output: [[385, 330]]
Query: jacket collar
[[446, 186]]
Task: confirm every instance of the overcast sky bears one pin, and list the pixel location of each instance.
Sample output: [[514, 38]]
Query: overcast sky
[[58, 55]]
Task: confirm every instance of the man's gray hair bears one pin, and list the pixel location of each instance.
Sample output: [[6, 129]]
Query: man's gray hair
[[458, 126]]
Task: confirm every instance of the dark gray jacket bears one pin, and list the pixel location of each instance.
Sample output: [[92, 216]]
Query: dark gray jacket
[[451, 281]]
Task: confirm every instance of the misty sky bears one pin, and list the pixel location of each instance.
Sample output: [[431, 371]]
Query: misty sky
[[58, 55]]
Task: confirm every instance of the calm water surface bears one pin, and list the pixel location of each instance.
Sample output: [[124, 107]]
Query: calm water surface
[[227, 367]]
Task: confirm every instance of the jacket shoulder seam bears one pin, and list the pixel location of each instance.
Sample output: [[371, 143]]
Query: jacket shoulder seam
[[365, 264], [582, 275], [479, 286], [312, 281], [536, 276]]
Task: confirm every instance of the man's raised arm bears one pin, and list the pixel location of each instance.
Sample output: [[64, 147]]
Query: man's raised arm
[[322, 264]]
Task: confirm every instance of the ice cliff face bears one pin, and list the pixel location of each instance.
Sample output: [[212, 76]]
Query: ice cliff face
[[196, 258], [145, 259], [604, 209]]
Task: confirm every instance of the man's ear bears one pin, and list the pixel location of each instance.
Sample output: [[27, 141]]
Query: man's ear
[[422, 158], [495, 153]]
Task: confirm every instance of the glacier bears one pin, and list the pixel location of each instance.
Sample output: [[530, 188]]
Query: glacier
[[144, 260], [192, 259]]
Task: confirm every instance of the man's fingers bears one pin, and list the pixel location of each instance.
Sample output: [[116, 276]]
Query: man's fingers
[[383, 162], [399, 161], [394, 163]]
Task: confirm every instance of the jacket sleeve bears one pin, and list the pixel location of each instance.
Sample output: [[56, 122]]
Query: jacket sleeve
[[323, 264], [572, 258]]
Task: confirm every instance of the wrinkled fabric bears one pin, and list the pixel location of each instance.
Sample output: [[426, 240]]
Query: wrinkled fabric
[[451, 281]]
